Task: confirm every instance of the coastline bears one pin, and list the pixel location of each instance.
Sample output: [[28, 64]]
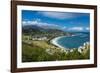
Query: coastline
[[54, 42]]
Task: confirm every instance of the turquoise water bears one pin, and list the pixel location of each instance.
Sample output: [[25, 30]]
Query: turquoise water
[[74, 41]]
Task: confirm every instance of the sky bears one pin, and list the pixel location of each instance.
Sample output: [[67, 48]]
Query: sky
[[67, 21]]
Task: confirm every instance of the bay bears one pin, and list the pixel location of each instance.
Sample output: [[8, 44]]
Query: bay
[[74, 41]]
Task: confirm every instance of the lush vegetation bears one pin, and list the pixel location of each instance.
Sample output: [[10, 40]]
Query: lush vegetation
[[32, 53], [43, 50]]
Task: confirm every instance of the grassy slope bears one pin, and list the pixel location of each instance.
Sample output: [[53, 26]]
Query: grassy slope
[[32, 53]]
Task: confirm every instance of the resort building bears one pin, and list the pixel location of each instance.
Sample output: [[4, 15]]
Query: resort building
[[39, 38]]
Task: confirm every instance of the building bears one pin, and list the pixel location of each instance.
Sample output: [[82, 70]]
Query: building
[[39, 38]]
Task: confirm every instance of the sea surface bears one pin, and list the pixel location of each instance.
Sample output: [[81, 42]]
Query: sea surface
[[74, 41]]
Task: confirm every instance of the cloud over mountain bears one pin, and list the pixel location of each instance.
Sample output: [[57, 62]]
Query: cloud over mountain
[[40, 24]]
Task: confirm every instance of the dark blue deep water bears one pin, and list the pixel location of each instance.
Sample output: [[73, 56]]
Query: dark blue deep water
[[74, 41]]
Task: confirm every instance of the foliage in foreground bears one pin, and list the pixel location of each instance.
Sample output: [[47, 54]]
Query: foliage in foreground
[[32, 53]]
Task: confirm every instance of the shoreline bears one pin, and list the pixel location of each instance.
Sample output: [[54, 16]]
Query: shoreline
[[54, 42]]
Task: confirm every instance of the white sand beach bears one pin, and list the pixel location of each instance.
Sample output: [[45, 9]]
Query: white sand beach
[[54, 42]]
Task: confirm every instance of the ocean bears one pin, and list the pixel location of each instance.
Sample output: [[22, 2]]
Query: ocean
[[75, 41]]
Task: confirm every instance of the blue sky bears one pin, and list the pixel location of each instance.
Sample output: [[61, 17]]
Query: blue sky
[[66, 21]]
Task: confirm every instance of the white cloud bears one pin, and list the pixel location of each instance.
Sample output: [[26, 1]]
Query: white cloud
[[76, 29], [64, 28], [87, 28], [58, 15], [40, 24]]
